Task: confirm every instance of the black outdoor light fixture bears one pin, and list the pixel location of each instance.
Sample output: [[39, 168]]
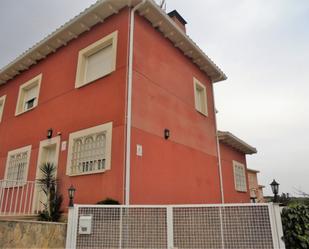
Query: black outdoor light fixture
[[71, 191], [167, 133], [49, 133], [275, 188]]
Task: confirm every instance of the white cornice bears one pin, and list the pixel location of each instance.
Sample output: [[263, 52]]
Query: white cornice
[[235, 142], [98, 12]]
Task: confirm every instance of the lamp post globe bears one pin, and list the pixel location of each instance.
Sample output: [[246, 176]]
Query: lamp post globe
[[275, 189]]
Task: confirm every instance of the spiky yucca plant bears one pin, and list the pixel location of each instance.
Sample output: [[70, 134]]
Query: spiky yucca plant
[[52, 207]]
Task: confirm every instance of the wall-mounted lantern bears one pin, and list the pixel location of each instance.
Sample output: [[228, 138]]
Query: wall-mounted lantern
[[167, 133], [49, 133], [71, 191]]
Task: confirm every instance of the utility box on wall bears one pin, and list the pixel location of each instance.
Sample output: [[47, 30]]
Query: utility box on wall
[[85, 223]]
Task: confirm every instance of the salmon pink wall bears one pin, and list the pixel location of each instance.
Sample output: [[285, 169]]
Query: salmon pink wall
[[66, 109], [228, 155], [182, 169]]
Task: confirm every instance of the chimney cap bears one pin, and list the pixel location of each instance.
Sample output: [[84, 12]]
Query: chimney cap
[[175, 13]]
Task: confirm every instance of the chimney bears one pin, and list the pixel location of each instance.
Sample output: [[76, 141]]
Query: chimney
[[178, 19]]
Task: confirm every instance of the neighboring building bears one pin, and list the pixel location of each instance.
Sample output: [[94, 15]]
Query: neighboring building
[[234, 167], [131, 121], [256, 190]]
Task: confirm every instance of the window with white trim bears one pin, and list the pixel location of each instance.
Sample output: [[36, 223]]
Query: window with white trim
[[28, 95], [97, 60], [200, 97], [240, 176], [17, 165], [90, 150], [2, 102]]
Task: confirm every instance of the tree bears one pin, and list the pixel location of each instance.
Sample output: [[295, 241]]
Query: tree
[[295, 222], [284, 199], [48, 183]]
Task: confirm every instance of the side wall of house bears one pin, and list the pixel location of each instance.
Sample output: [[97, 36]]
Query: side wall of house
[[183, 168], [66, 109], [253, 183], [256, 190], [228, 155]]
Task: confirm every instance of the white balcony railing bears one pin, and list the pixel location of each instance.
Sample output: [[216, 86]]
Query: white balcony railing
[[19, 198]]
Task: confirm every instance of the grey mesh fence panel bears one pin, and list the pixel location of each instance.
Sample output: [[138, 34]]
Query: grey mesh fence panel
[[182, 227], [197, 227], [106, 228], [123, 227], [144, 228], [247, 227]]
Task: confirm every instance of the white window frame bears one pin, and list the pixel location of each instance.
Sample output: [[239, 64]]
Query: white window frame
[[238, 186], [11, 182], [36, 81], [83, 54], [2, 103], [198, 86], [107, 127]]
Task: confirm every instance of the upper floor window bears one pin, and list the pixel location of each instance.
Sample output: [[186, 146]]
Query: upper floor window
[[90, 150], [200, 97], [17, 165], [2, 102], [240, 176], [28, 95], [96, 60]]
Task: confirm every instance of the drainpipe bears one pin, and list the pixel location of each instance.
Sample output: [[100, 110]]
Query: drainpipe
[[129, 105], [218, 147]]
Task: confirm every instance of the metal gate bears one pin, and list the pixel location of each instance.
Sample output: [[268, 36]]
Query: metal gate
[[230, 226]]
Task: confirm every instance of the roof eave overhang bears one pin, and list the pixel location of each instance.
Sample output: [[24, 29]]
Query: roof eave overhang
[[236, 143], [97, 13], [253, 170]]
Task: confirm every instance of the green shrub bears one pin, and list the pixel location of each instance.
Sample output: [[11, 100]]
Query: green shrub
[[109, 201], [48, 183], [295, 222]]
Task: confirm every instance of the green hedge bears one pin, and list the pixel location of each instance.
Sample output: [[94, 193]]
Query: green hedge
[[295, 222]]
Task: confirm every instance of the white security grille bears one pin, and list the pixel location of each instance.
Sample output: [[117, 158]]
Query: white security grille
[[249, 226], [17, 166], [89, 150], [88, 153]]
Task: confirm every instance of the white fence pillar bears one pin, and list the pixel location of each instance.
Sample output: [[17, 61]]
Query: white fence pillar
[[71, 228], [276, 225], [277, 214], [170, 227]]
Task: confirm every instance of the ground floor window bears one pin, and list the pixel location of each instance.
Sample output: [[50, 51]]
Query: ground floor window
[[17, 166], [90, 150]]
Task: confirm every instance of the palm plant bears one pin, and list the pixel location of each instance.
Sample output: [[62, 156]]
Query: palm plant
[[48, 183]]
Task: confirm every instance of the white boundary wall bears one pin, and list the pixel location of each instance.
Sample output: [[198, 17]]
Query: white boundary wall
[[226, 226]]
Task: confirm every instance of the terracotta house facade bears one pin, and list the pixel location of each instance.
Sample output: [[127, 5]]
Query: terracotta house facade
[[121, 101], [233, 153], [256, 190]]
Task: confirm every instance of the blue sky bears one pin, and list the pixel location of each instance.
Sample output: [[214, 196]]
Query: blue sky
[[262, 46]]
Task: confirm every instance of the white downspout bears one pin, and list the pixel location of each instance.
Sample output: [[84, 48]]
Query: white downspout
[[129, 105], [218, 148]]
